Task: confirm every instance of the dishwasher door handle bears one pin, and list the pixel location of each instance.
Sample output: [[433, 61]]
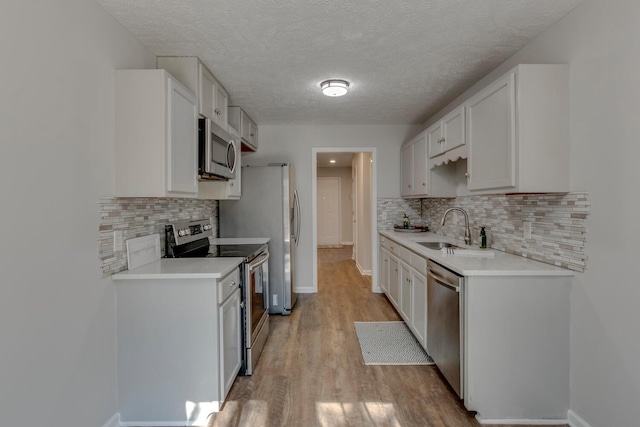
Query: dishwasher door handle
[[440, 280]]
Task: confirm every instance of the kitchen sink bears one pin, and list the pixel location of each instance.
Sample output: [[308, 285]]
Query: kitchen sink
[[438, 245]]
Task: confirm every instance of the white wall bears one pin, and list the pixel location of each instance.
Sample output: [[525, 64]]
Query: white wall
[[601, 42], [281, 143], [57, 317], [363, 248], [346, 207]]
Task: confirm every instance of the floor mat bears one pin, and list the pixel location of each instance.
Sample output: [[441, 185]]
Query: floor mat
[[390, 343]]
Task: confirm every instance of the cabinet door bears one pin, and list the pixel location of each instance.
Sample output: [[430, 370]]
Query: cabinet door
[[453, 129], [384, 271], [434, 139], [230, 341], [405, 293], [207, 91], [419, 307], [181, 140], [249, 131], [491, 136], [394, 276], [253, 134], [406, 167], [420, 170], [221, 100]]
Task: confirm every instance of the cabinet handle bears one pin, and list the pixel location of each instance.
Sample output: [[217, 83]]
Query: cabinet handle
[[441, 140], [467, 174], [424, 184], [409, 186], [232, 284]]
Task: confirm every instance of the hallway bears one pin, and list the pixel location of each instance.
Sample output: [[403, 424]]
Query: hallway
[[311, 371]]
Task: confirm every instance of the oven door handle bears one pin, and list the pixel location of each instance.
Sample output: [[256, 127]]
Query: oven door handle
[[261, 259]]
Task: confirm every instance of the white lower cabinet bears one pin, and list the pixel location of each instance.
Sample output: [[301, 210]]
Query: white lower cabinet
[[178, 348], [405, 292], [402, 279], [419, 307], [383, 278], [394, 281], [515, 337], [230, 341]]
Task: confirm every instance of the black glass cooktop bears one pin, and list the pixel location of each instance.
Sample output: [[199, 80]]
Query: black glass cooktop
[[245, 251]]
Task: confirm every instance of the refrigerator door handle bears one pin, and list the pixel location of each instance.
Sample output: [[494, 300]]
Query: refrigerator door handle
[[296, 203]]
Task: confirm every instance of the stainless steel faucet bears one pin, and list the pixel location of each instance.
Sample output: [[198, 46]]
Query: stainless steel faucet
[[467, 231]]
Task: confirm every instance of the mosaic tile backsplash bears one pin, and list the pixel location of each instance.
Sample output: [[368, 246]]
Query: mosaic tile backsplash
[[137, 217], [558, 231]]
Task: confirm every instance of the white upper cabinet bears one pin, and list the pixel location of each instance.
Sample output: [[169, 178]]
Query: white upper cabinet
[[491, 122], [415, 182], [447, 133], [156, 136], [247, 128], [518, 132], [191, 72]]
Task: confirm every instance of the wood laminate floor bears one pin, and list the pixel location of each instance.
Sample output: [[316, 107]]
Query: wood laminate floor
[[311, 372]]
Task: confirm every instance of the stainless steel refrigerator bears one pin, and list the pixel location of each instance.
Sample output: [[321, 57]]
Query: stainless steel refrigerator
[[269, 207]]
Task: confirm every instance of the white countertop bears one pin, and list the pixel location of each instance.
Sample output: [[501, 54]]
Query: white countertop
[[503, 264], [240, 240], [182, 268]]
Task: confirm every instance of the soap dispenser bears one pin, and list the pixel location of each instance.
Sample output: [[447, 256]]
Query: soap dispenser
[[483, 238]]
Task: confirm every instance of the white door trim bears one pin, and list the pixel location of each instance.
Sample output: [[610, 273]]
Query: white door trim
[[374, 216]]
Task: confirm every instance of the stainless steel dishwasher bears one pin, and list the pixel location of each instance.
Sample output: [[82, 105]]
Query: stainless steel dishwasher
[[445, 323]]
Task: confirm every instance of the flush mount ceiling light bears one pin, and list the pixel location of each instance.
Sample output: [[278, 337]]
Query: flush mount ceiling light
[[332, 161], [334, 87]]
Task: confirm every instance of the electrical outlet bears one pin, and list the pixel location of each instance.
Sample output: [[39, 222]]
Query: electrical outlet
[[527, 229], [118, 240], [275, 299]]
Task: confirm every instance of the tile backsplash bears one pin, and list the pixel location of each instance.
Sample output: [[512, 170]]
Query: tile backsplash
[[137, 217], [558, 231]]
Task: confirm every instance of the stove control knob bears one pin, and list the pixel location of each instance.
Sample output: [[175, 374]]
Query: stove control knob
[[180, 233]]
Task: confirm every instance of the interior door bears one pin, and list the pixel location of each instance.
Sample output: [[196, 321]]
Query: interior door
[[328, 191]]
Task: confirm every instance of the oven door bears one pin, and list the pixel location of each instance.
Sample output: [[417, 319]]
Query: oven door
[[256, 307]]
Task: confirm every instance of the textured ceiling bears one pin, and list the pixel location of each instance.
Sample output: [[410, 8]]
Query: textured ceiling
[[405, 59]]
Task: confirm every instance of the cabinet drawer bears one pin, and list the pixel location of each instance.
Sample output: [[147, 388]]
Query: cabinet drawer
[[228, 284], [389, 245]]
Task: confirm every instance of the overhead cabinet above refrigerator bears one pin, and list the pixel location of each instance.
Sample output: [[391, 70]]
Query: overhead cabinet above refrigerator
[[246, 127]]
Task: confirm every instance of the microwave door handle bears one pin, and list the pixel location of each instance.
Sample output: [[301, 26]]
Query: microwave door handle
[[207, 144]]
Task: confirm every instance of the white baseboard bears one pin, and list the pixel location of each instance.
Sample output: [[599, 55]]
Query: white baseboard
[[362, 271], [114, 421], [305, 290], [575, 420], [532, 422]]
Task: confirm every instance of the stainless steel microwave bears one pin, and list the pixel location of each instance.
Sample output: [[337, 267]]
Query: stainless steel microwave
[[216, 152]]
